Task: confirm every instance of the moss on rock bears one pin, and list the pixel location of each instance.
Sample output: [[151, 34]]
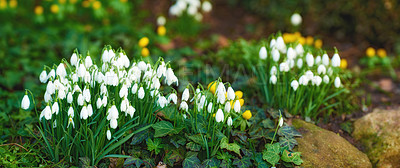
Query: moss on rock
[[323, 148]]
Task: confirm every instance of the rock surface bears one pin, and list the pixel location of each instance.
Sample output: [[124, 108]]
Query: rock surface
[[323, 148], [379, 132]]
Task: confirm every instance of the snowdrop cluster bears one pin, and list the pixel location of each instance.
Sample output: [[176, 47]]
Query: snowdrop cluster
[[191, 7]]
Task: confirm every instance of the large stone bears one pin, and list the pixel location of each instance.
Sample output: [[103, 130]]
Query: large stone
[[379, 132], [323, 148]]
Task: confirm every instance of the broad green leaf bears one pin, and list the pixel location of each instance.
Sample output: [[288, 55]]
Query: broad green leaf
[[173, 157], [271, 157], [230, 146], [288, 131], [292, 157], [191, 162], [211, 163], [287, 142], [274, 148], [241, 134], [133, 161], [260, 162], [196, 139], [244, 162], [163, 128], [268, 123], [140, 137], [177, 141], [193, 146], [155, 145]]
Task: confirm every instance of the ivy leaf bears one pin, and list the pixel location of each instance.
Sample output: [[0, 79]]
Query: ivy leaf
[[191, 162], [288, 132], [292, 157], [244, 162], [271, 157], [287, 142], [133, 161], [155, 145], [163, 128], [211, 163], [230, 146], [193, 146]]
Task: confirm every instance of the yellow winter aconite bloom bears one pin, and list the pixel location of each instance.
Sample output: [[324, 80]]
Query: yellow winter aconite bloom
[[247, 114], [381, 53], [72, 1], [241, 102], [309, 40], [161, 30], [145, 52], [96, 5], [297, 35], [302, 40], [62, 1], [143, 42], [123, 1], [318, 43], [239, 94], [54, 8], [212, 86], [287, 37], [38, 10], [13, 3], [370, 52], [85, 4], [343, 63], [3, 4]]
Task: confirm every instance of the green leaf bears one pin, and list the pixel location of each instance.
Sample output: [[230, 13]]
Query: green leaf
[[260, 162], [140, 137], [191, 162], [268, 123], [287, 142], [274, 148], [193, 146], [211, 163], [244, 162], [230, 146], [163, 128], [133, 161], [172, 157], [155, 145], [177, 141], [292, 157], [288, 132], [85, 161], [241, 134], [196, 139], [271, 157]]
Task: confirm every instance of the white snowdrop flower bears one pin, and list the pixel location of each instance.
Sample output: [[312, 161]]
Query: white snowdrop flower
[[87, 77], [111, 54], [300, 63], [88, 61], [219, 116], [291, 53], [273, 79], [86, 94], [52, 74], [112, 113], [210, 107], [325, 59], [161, 21], [55, 108], [321, 69], [236, 106], [71, 122], [170, 77], [284, 67], [81, 71], [71, 112], [131, 111], [113, 123], [275, 54], [99, 103], [134, 88], [330, 71], [61, 94], [303, 80], [105, 56], [221, 91], [141, 93], [89, 109], [280, 44], [74, 78], [25, 102], [174, 10], [280, 121], [273, 70], [336, 60], [69, 98], [229, 121], [47, 97], [161, 70], [227, 107], [291, 63], [155, 83], [108, 133], [172, 97], [61, 70], [318, 60], [46, 113], [43, 76], [326, 79], [74, 59], [206, 6], [50, 88], [154, 93], [192, 10], [84, 113], [104, 101], [295, 19], [337, 82], [99, 77], [202, 102], [317, 80], [197, 90], [299, 49], [309, 75], [272, 43], [230, 93], [183, 106], [162, 101], [294, 84], [310, 59], [142, 66], [263, 53], [80, 99], [103, 89], [55, 123], [124, 105], [123, 92]]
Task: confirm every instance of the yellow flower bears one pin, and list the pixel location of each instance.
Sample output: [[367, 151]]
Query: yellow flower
[[145, 52], [297, 35], [96, 5], [85, 4], [343, 63], [62, 1], [38, 10], [246, 115], [287, 37], [143, 42], [302, 40], [214, 115], [309, 40], [239, 94], [13, 3], [232, 103], [123, 1], [54, 8], [381, 53], [212, 86], [318, 43], [72, 1], [3, 4], [161, 30], [370, 52], [241, 102]]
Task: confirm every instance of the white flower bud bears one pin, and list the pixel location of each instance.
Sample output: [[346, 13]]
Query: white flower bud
[[141, 93], [273, 79], [210, 107], [74, 59], [113, 123], [291, 53], [263, 53], [43, 76], [280, 122], [183, 106], [273, 70], [172, 97], [89, 110], [325, 59], [318, 60], [55, 108], [294, 84], [310, 59], [69, 98], [108, 134], [300, 63], [71, 112], [229, 121], [84, 113], [230, 93], [227, 107], [296, 19], [326, 79], [321, 69], [337, 82], [219, 116], [185, 95], [236, 106], [61, 70], [88, 61], [336, 60], [275, 54], [25, 102], [206, 7]]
